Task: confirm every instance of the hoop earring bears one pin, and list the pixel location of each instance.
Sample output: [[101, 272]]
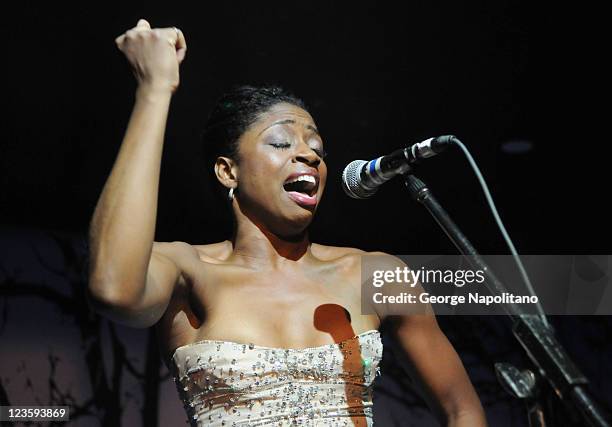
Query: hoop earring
[[230, 195]]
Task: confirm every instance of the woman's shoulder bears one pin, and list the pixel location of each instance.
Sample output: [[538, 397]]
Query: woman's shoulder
[[330, 253], [182, 253], [352, 259], [218, 251]]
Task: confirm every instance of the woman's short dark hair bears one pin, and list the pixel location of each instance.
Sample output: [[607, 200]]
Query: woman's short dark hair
[[233, 113]]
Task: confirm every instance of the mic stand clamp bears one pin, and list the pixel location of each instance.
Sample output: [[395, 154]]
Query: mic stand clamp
[[522, 385]]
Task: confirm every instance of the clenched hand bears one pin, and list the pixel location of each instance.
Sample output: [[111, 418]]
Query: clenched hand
[[154, 54]]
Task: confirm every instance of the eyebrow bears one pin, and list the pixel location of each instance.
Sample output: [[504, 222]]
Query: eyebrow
[[291, 121]]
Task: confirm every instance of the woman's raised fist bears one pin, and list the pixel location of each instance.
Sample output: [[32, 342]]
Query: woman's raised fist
[[154, 54]]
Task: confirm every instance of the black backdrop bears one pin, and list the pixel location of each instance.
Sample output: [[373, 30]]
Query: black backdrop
[[376, 77]]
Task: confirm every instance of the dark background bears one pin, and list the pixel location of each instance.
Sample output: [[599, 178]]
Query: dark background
[[375, 76]]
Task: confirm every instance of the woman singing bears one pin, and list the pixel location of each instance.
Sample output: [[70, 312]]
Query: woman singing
[[264, 328]]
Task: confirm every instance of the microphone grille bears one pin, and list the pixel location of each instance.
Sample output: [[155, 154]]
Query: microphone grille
[[351, 180]]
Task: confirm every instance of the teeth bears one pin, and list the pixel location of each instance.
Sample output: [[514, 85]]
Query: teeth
[[307, 178]]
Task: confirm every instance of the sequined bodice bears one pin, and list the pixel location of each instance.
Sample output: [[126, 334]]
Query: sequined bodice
[[223, 383]]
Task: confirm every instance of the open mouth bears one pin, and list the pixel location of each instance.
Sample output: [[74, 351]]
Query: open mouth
[[305, 184], [302, 189]]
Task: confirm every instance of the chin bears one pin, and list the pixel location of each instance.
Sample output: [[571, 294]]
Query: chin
[[286, 219]]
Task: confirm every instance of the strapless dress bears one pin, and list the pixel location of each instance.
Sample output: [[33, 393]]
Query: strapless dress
[[224, 383]]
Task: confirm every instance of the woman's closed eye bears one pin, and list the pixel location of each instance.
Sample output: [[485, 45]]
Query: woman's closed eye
[[280, 145], [284, 145], [320, 152]]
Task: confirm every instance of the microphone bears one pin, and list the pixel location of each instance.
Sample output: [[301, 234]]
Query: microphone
[[361, 179]]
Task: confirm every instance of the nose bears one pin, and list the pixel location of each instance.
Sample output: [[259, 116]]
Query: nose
[[306, 154]]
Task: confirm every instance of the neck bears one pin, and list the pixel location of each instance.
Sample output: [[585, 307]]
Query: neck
[[259, 247]]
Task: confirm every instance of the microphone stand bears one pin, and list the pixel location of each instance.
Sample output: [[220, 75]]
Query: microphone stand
[[532, 332]]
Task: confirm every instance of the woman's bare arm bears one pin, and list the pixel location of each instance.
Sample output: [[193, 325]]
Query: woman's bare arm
[[131, 278], [438, 373], [433, 364]]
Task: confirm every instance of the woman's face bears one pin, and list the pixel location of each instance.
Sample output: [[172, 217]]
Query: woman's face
[[281, 173]]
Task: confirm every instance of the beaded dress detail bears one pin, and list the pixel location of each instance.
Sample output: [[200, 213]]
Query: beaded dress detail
[[224, 383]]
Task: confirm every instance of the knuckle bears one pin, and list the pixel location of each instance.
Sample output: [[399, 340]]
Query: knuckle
[[156, 33]]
